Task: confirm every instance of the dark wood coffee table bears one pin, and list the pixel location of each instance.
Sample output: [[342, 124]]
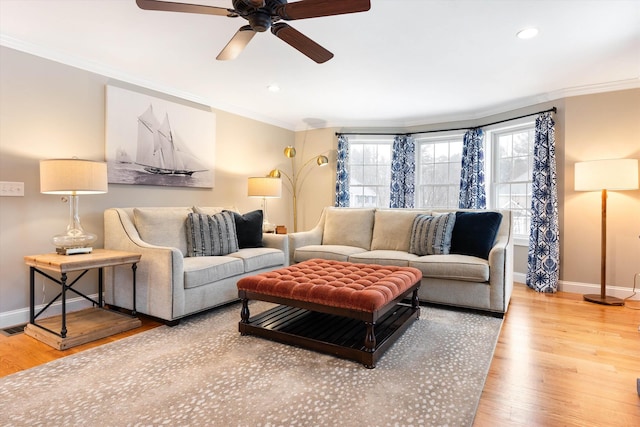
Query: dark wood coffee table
[[354, 311]]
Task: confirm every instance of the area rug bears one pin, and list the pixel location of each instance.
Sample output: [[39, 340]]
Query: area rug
[[203, 373]]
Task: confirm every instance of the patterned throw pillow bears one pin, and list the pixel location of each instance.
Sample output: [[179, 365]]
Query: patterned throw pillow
[[431, 235], [211, 235]]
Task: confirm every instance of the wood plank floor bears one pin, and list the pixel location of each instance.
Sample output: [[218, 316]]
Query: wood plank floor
[[559, 361]]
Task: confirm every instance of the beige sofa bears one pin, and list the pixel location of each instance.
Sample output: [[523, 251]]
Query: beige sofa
[[383, 236], [171, 285]]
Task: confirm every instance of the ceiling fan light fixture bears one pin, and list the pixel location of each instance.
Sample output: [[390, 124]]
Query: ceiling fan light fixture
[[527, 33], [263, 15]]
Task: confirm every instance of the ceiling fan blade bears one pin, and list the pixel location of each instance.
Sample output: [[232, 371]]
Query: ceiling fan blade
[[301, 42], [182, 7], [236, 45], [314, 8]]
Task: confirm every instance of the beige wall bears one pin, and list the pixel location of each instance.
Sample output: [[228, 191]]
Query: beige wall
[[601, 126], [51, 110]]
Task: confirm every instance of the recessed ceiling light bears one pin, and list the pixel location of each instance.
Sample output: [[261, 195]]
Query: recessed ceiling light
[[273, 88], [527, 33]]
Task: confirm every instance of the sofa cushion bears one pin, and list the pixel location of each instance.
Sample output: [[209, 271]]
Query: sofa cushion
[[384, 257], [431, 235], [248, 229], [348, 227], [392, 229], [333, 252], [454, 267], [200, 271], [475, 233], [211, 235], [163, 226], [259, 258]]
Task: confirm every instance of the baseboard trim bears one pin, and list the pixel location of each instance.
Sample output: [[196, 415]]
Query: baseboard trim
[[21, 316], [587, 288]]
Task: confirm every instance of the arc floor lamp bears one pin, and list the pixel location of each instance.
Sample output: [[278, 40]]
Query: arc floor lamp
[[290, 153], [603, 175]]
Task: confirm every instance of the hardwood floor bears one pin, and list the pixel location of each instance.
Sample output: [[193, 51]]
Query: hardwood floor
[[559, 361], [19, 352]]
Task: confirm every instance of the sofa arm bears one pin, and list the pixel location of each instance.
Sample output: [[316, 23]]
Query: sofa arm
[[303, 238], [501, 273], [277, 241], [159, 276]]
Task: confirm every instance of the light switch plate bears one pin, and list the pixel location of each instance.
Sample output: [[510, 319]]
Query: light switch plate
[[15, 189]]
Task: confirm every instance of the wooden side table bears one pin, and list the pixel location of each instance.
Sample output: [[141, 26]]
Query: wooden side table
[[89, 324]]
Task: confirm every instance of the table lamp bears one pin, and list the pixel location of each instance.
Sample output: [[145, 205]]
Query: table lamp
[[265, 187], [73, 177], [603, 175]]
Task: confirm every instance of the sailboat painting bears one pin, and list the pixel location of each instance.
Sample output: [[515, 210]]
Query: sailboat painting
[[151, 141]]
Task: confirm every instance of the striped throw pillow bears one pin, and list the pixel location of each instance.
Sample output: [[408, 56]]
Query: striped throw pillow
[[211, 235], [431, 235]]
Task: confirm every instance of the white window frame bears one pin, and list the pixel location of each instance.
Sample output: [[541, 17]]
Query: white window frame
[[385, 187], [434, 138], [492, 133]]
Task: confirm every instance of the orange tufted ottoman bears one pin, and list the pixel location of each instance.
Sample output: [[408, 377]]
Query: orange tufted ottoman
[[355, 311]]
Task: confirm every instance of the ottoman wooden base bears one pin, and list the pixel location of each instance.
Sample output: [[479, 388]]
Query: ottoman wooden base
[[355, 311], [331, 334]]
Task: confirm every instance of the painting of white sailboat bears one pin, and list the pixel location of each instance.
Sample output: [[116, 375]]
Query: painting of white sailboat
[[141, 149]]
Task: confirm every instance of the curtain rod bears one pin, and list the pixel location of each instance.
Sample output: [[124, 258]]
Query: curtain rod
[[552, 109]]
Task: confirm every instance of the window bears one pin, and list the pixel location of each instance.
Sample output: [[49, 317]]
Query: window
[[438, 164], [508, 170], [511, 173], [369, 171]]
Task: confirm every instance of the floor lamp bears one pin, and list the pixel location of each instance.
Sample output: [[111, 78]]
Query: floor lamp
[[603, 175], [290, 153], [265, 187]]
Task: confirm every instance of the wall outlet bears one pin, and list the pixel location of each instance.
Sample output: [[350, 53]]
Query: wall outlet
[[15, 189]]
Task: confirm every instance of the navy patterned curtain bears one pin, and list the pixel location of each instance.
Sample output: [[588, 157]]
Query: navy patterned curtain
[[342, 173], [544, 239], [403, 167], [472, 191]]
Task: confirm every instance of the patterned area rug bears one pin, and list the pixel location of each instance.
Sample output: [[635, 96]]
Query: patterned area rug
[[203, 373]]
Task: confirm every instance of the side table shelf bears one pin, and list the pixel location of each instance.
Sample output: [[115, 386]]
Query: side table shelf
[[81, 326]]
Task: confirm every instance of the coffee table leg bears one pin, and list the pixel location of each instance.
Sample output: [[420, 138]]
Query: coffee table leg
[[244, 311], [415, 303], [370, 337]]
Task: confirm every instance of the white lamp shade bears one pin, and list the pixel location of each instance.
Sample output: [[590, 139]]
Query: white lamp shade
[[73, 176], [264, 187], [596, 175]]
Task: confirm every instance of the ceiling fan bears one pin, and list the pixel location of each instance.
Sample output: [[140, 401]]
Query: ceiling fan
[[265, 14]]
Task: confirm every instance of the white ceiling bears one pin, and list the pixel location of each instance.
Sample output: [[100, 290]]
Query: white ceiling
[[403, 63]]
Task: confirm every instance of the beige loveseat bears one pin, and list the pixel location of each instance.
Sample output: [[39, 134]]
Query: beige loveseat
[[384, 236], [171, 285]]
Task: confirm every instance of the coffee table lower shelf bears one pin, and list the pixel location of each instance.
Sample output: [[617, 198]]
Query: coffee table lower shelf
[[329, 333]]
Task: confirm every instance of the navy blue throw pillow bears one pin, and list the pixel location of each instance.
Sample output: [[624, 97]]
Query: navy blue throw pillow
[[249, 229], [474, 233]]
